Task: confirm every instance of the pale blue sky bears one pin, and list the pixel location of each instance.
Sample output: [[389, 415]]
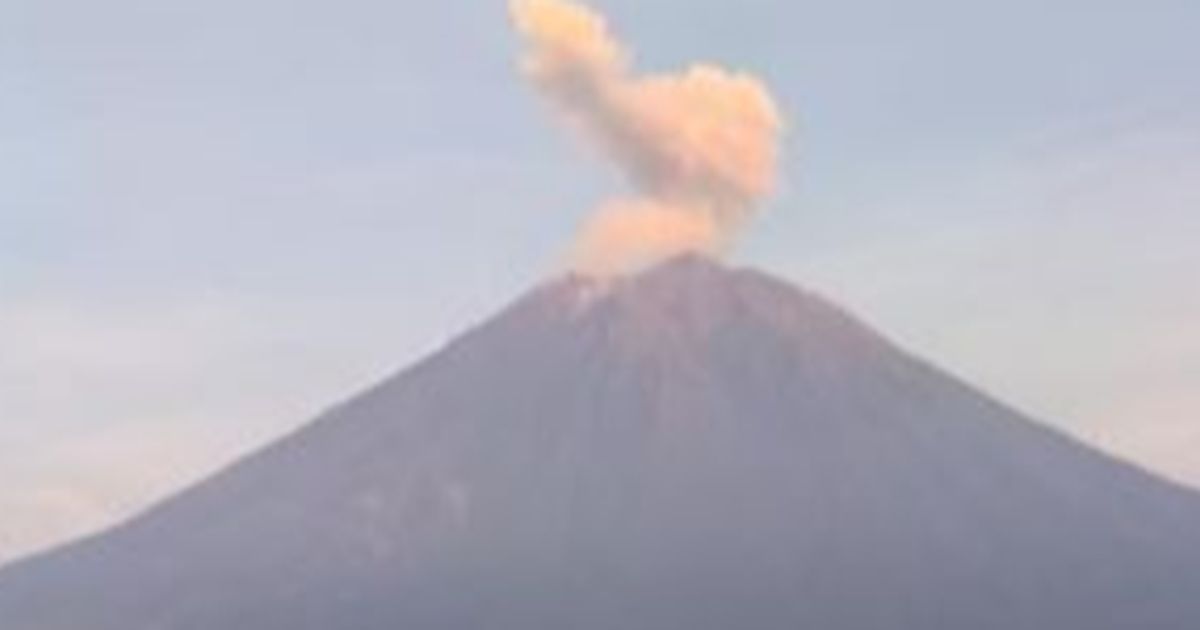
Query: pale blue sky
[[217, 217]]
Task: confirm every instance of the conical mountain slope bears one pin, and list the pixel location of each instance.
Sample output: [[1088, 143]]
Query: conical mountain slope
[[694, 447]]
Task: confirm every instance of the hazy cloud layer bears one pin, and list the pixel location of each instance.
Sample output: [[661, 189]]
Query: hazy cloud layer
[[107, 404]]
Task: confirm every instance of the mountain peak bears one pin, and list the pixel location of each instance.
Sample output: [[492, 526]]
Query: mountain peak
[[688, 300], [685, 271], [691, 447]]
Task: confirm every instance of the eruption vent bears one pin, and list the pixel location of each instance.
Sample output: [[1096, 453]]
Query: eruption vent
[[699, 148]]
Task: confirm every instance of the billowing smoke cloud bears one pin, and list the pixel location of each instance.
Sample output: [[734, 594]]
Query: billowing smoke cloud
[[699, 148]]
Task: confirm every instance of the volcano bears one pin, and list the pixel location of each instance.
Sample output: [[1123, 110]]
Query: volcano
[[694, 447]]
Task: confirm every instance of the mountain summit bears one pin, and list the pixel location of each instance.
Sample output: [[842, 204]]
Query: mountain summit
[[694, 447]]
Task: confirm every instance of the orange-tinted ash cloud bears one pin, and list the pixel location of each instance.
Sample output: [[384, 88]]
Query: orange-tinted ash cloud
[[699, 148]]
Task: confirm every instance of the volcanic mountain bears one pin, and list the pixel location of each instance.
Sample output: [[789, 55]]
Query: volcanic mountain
[[694, 447]]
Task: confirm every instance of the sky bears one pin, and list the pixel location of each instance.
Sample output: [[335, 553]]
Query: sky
[[219, 218]]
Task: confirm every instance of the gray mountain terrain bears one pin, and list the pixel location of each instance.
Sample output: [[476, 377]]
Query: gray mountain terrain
[[694, 447]]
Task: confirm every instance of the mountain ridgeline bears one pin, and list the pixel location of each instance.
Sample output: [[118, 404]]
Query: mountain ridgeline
[[695, 447]]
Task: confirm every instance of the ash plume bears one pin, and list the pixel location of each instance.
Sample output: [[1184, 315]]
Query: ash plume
[[698, 148]]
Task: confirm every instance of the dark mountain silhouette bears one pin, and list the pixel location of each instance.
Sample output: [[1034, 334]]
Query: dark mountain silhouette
[[691, 448]]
